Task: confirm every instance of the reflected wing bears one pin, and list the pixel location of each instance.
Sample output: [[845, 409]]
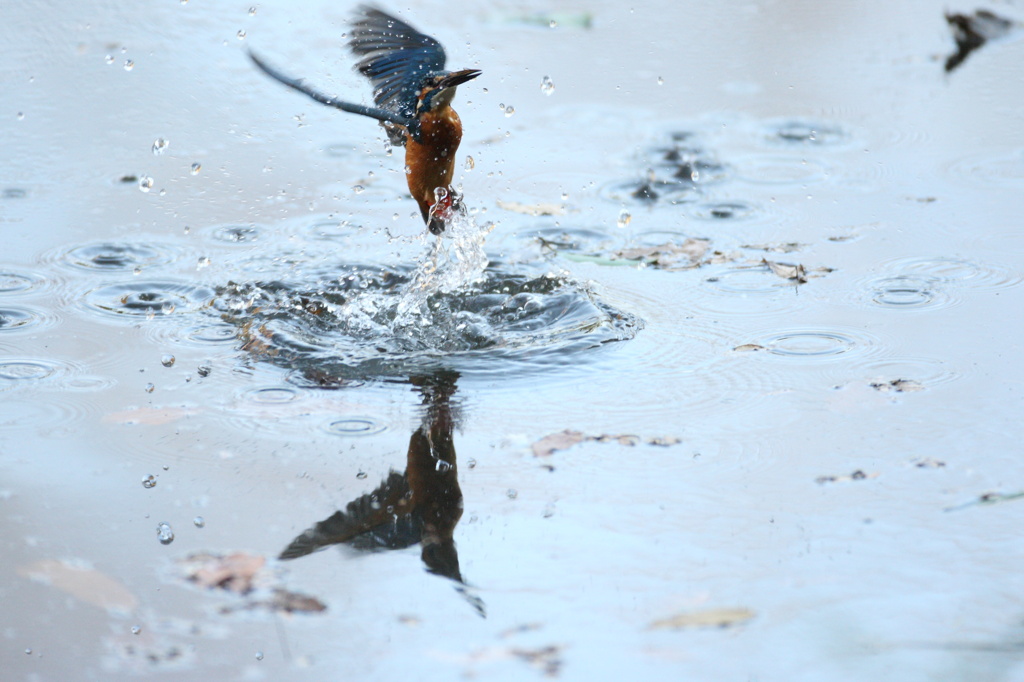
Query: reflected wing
[[395, 57], [380, 519]]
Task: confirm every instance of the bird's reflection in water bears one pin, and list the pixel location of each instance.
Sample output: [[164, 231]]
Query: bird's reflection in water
[[422, 505]]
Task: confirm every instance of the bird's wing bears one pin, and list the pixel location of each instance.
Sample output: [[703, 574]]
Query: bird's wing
[[395, 57]]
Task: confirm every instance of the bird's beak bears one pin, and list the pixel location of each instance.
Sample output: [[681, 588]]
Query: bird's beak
[[458, 78]]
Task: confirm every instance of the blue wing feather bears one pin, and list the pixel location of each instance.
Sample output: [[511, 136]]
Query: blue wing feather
[[395, 57]]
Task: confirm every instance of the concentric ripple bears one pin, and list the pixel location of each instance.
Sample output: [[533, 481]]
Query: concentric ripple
[[13, 281], [147, 299], [108, 256], [813, 345], [358, 327], [806, 133], [926, 372], [18, 372], [958, 270], [354, 427], [14, 319], [908, 292]]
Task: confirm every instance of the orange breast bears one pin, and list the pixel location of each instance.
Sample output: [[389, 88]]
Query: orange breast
[[431, 162]]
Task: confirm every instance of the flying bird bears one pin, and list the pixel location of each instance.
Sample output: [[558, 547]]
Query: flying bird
[[413, 95]]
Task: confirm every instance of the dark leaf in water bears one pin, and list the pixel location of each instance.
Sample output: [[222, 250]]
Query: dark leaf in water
[[898, 386]]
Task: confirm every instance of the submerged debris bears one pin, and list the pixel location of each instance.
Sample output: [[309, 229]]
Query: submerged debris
[[857, 475], [796, 273], [564, 440], [898, 386], [988, 498], [971, 31], [243, 574]]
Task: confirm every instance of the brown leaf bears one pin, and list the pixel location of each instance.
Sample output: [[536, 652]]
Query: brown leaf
[[797, 273], [557, 441], [234, 572], [709, 618], [669, 256], [84, 584], [748, 347]]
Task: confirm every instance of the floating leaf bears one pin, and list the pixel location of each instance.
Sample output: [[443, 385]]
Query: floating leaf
[[796, 273], [235, 572], [568, 438], [748, 347], [709, 618], [898, 386], [85, 584]]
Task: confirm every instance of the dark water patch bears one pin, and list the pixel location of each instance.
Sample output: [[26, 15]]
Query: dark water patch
[[13, 193], [723, 210], [147, 299], [113, 256], [805, 133], [650, 189], [369, 324]]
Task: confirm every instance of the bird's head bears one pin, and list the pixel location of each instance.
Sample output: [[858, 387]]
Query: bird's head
[[439, 90]]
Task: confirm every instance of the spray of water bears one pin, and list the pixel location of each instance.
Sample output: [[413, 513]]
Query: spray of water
[[456, 260]]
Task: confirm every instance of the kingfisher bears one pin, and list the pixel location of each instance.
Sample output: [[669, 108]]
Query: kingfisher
[[413, 95]]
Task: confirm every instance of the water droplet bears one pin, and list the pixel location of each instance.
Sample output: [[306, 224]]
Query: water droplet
[[552, 24], [164, 533], [259, 655], [159, 146], [150, 388], [509, 110], [203, 262], [661, 81], [624, 218], [512, 493], [470, 163], [199, 522], [547, 86], [109, 59], [241, 34], [358, 189], [565, 196], [196, 167], [167, 360], [129, 65], [28, 652], [442, 466], [21, 115], [252, 11], [137, 270], [471, 463], [145, 183], [136, 629], [149, 481]]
